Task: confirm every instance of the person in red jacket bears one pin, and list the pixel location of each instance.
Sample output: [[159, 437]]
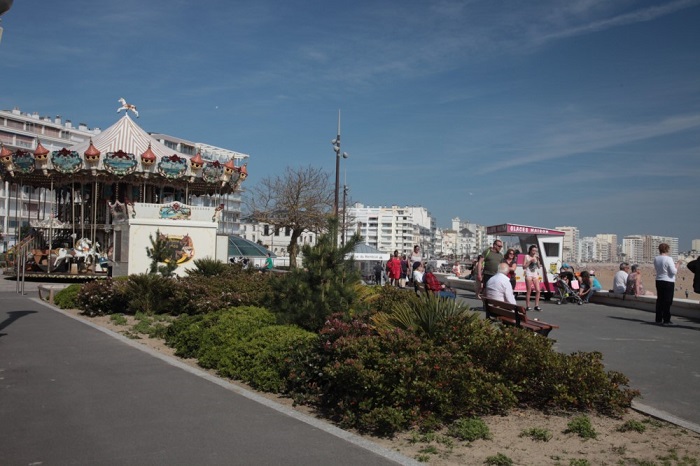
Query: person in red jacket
[[431, 281], [394, 268]]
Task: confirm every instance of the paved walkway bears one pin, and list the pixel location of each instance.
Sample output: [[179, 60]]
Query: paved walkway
[[73, 394]]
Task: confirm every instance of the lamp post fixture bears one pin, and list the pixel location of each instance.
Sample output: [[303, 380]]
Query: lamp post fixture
[[336, 148]]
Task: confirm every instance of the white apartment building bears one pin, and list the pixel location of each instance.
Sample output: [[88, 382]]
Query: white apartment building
[[394, 228], [695, 245], [587, 249], [606, 247], [633, 249], [24, 131], [570, 247]]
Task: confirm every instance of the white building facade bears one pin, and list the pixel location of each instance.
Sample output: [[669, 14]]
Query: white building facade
[[394, 228], [571, 249]]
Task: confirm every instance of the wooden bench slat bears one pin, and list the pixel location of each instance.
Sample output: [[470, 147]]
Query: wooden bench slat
[[512, 314]]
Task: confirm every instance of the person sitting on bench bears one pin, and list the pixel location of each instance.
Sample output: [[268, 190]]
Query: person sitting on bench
[[431, 281], [498, 287]]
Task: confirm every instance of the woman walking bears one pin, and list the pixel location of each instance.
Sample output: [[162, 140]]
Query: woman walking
[[511, 259], [531, 264], [666, 272]]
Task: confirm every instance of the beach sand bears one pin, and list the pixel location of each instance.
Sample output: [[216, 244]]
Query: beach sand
[[605, 273]]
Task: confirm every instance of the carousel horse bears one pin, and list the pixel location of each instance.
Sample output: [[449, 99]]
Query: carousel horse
[[126, 107], [80, 251]]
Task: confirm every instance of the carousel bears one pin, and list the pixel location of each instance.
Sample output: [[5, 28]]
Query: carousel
[[98, 205]]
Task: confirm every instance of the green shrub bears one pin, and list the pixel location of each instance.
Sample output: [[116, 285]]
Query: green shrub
[[103, 297], [537, 433], [326, 285], [499, 460], [633, 425], [210, 337], [579, 462], [149, 293], [356, 373], [235, 287], [263, 358], [67, 298], [118, 319], [581, 426], [539, 376], [425, 313], [208, 267], [469, 429], [185, 335]]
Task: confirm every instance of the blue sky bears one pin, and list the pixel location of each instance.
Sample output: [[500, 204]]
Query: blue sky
[[546, 113]]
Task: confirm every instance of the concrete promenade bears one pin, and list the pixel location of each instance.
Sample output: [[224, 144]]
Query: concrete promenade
[[71, 393]]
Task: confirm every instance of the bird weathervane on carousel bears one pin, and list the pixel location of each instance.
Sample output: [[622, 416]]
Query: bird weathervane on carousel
[[126, 107]]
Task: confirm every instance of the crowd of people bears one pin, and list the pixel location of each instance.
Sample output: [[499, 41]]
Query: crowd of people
[[494, 276]]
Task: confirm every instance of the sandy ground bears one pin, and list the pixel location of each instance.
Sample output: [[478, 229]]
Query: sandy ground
[[660, 443], [605, 273]]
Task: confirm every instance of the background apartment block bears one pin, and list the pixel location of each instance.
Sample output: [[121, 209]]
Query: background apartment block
[[24, 131], [570, 248], [393, 228]]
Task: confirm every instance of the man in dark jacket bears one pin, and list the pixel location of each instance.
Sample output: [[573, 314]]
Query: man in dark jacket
[[695, 268]]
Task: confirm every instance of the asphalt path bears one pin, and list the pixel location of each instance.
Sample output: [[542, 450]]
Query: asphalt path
[[73, 394], [663, 363]]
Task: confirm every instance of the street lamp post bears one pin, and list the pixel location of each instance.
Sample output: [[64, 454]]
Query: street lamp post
[[336, 148]]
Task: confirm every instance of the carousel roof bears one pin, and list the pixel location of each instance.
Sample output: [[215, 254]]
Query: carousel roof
[[127, 136], [122, 152]]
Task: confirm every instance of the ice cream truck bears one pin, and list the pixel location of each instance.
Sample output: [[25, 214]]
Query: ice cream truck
[[550, 244]]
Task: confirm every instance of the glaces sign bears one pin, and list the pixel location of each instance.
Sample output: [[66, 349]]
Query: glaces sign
[[513, 229]]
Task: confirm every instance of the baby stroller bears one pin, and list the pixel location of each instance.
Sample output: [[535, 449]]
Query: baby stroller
[[566, 285]]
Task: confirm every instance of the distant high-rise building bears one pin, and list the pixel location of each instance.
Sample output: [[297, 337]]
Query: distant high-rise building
[[571, 244], [606, 247], [587, 248], [695, 245]]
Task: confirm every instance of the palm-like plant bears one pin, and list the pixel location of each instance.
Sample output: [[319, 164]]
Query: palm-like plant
[[423, 314]]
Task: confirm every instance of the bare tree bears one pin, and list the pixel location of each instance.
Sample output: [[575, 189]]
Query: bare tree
[[300, 199]]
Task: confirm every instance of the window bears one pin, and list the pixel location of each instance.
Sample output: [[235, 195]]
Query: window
[[266, 230]]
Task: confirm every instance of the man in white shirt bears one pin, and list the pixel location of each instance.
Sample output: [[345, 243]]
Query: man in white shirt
[[620, 279], [498, 287]]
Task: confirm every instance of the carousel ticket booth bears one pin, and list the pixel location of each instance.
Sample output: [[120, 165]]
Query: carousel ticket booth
[[90, 209]]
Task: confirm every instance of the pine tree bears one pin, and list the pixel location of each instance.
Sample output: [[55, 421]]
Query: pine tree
[[160, 254], [325, 285]]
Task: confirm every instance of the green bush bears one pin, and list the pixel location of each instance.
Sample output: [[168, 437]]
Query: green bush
[[356, 374], [209, 267], [326, 285], [103, 297], [263, 359], [498, 460], [469, 429], [581, 426], [537, 433], [633, 425], [67, 298], [149, 293], [209, 337], [425, 314], [235, 287], [242, 343]]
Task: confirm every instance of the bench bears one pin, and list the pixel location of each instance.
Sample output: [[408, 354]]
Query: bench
[[512, 314], [49, 291]]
